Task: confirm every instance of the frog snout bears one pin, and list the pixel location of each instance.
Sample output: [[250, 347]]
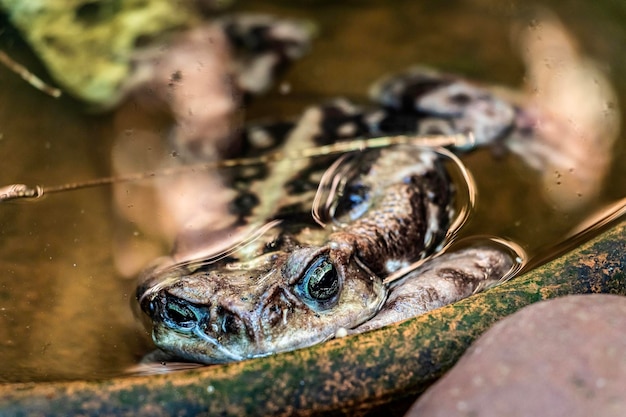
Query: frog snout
[[186, 317]]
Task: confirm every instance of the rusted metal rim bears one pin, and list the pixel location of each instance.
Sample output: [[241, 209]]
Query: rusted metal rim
[[341, 376]]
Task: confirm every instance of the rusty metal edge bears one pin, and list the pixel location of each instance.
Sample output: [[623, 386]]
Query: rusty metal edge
[[339, 377]]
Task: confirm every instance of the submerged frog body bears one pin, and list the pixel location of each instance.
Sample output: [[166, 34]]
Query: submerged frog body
[[299, 283], [307, 278]]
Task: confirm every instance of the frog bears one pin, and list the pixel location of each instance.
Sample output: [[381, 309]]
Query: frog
[[343, 243], [330, 230]]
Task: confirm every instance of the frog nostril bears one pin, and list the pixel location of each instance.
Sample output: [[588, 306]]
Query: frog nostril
[[151, 308], [228, 323], [231, 324]]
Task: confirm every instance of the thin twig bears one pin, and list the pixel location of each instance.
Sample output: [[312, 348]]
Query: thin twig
[[28, 76], [463, 141]]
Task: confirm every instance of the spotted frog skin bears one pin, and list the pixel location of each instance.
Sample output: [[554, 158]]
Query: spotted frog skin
[[299, 278], [299, 283]]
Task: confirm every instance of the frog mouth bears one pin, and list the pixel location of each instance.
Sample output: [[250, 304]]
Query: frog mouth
[[223, 351]]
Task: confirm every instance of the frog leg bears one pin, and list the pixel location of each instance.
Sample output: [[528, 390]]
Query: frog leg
[[444, 280]]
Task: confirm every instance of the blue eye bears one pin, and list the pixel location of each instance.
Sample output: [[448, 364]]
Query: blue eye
[[320, 282]]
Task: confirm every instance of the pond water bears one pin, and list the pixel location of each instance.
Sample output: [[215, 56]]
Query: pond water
[[65, 305]]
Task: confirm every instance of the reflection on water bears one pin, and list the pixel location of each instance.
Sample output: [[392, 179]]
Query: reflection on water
[[67, 260], [576, 118]]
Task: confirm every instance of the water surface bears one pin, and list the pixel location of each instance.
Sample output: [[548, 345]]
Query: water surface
[[65, 308]]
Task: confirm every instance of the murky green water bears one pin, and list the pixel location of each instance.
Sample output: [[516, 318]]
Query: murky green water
[[65, 309]]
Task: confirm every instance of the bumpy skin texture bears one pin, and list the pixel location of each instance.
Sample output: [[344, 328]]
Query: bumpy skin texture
[[408, 212], [441, 281], [262, 301]]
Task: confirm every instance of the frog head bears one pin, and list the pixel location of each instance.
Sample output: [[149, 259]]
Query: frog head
[[278, 301]]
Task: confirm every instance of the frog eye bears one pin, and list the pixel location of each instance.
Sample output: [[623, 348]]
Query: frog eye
[[178, 314], [320, 283], [354, 201]]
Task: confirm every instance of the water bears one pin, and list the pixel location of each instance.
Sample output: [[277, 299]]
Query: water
[[65, 307]]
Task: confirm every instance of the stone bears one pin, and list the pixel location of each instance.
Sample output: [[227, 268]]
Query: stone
[[562, 357]]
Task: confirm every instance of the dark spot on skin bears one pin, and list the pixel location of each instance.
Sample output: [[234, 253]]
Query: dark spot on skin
[[259, 39], [333, 118], [460, 279], [460, 99], [50, 40], [243, 204], [255, 39], [294, 219], [299, 186], [94, 12], [88, 12], [397, 123], [274, 314], [142, 41], [413, 90], [176, 77]]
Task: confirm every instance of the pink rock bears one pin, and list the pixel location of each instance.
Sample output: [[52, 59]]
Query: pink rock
[[563, 357]]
